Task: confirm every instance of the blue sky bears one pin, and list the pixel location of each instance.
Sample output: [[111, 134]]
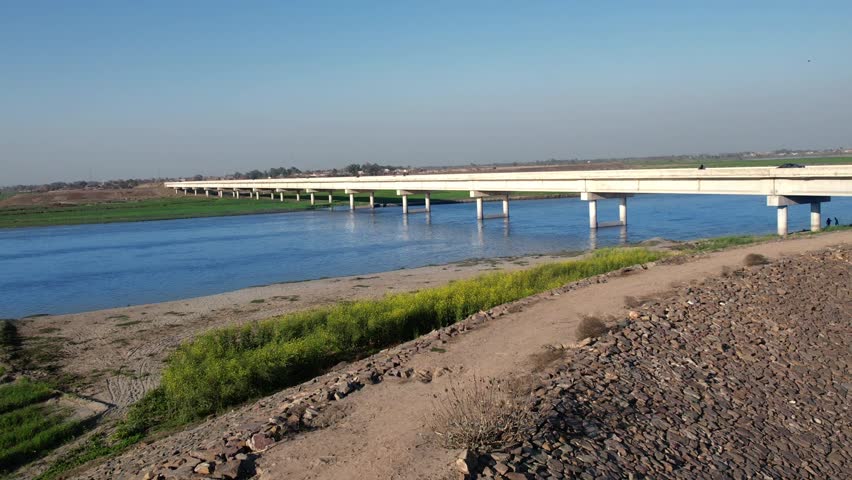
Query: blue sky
[[133, 89]]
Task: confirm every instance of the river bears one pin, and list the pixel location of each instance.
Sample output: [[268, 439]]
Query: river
[[68, 269]]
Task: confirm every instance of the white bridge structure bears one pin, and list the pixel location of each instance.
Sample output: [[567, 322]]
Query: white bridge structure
[[781, 186]]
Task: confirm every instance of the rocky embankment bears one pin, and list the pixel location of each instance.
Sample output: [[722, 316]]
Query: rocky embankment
[[745, 376]]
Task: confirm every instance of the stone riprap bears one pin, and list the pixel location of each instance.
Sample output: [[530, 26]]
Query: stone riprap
[[744, 376]]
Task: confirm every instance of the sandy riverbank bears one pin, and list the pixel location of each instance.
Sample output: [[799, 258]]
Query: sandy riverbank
[[116, 355]]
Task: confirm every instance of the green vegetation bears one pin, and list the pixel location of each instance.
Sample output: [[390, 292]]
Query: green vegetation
[[189, 207], [721, 243], [23, 393], [229, 366], [28, 427], [158, 209]]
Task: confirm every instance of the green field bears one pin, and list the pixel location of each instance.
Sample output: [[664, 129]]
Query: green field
[[29, 427], [193, 207]]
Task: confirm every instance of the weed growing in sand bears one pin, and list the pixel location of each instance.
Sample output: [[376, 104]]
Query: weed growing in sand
[[591, 327], [753, 259], [482, 415]]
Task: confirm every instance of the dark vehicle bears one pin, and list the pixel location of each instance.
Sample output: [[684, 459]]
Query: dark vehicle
[[791, 165]]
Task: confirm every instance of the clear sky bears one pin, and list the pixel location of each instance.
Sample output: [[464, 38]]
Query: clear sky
[[118, 88]]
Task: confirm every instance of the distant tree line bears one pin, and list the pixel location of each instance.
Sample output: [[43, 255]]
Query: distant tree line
[[80, 185], [354, 169]]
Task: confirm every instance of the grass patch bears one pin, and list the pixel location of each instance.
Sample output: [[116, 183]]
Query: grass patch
[[27, 433], [226, 367], [258, 300], [22, 393], [721, 243]]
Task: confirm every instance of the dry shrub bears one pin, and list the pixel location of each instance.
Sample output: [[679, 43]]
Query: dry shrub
[[591, 327], [753, 259], [482, 415]]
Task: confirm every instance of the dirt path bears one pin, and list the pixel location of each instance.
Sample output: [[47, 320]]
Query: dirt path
[[383, 431], [116, 355]]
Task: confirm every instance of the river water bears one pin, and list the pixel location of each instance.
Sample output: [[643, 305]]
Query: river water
[[78, 268]]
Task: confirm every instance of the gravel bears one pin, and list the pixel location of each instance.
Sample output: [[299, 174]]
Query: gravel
[[743, 376]]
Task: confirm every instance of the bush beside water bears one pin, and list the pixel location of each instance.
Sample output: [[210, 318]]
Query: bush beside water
[[229, 366]]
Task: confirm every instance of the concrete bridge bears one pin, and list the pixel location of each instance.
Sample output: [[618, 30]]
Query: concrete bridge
[[781, 186]]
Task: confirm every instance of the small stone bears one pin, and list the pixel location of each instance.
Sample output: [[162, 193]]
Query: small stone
[[259, 442], [230, 470], [204, 468]]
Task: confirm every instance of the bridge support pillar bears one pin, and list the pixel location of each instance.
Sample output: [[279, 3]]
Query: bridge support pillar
[[427, 197], [351, 201], [404, 194], [298, 197], [185, 191], [235, 194], [816, 216], [593, 198], [782, 220], [593, 214], [784, 201], [480, 203], [282, 196], [330, 198], [206, 192], [257, 195], [313, 199], [372, 199], [272, 195], [221, 194]]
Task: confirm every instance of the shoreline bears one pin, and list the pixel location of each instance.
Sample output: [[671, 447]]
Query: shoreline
[[115, 355]]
